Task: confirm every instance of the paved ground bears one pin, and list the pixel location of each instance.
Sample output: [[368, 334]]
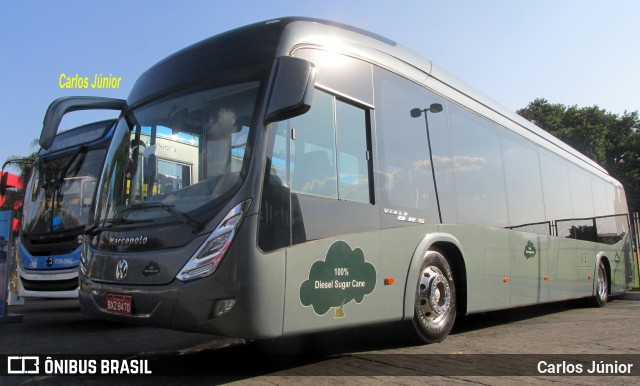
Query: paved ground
[[510, 343]]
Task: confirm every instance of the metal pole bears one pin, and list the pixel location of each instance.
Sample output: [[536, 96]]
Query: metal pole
[[433, 171], [5, 317]]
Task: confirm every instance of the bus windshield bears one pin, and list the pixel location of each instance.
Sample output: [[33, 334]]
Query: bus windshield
[[171, 158], [60, 192]]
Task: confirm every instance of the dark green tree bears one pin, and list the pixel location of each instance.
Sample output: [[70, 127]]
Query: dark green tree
[[611, 140]]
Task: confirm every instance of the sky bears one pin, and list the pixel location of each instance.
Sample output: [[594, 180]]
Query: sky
[[574, 52]]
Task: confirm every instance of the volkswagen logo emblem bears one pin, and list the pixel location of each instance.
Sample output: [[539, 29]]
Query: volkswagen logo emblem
[[121, 269]]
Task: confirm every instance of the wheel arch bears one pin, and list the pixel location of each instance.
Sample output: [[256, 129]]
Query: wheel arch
[[453, 253]]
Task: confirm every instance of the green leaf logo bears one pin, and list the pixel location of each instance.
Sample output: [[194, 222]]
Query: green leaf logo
[[343, 276]]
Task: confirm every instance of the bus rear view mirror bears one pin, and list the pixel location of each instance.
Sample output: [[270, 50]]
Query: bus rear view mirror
[[58, 108], [3, 184], [292, 89]]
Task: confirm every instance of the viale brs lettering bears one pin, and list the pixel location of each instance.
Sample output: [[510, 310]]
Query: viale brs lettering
[[404, 216]]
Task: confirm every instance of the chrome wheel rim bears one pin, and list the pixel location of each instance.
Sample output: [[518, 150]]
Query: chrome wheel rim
[[602, 284], [434, 295]]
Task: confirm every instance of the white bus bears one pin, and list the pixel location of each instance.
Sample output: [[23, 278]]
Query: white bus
[[341, 180]]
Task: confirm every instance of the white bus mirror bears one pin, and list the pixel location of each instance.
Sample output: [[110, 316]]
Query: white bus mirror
[[292, 89]]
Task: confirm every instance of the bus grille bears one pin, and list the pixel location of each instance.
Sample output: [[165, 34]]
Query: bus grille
[[50, 285]]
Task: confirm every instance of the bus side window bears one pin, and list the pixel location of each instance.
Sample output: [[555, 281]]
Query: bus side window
[[329, 151], [353, 168], [406, 179], [318, 176], [275, 211], [313, 150]]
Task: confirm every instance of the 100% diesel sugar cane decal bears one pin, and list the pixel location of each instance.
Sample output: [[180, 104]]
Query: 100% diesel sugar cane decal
[[343, 276]]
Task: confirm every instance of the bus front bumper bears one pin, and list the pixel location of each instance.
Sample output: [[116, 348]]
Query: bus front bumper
[[58, 284], [195, 306]]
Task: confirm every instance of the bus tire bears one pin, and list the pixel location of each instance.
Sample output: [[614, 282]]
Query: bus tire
[[602, 287], [435, 299]]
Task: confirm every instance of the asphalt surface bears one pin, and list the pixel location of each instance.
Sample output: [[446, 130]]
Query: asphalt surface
[[504, 347]]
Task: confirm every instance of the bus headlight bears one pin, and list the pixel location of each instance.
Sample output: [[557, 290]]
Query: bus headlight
[[208, 257], [83, 259]]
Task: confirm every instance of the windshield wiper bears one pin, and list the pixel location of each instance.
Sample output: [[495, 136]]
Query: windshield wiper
[[171, 209], [65, 169], [108, 223]]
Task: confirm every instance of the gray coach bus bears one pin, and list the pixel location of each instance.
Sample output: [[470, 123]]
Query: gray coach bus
[[340, 180]]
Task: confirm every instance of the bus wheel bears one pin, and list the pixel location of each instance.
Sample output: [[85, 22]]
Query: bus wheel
[[602, 287], [435, 305]]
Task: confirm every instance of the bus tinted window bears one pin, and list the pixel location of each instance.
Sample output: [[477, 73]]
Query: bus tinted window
[[603, 205], [479, 170], [313, 152], [555, 185], [580, 193], [351, 140], [524, 187], [328, 154], [611, 229], [406, 177]]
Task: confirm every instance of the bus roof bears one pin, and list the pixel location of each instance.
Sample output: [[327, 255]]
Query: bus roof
[[306, 32]]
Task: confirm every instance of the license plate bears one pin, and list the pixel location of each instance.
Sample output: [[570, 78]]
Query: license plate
[[119, 304]]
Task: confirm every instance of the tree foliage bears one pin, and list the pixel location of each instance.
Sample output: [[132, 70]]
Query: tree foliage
[[611, 140]]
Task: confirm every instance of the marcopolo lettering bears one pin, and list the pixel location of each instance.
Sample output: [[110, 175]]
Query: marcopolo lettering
[[128, 241]]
